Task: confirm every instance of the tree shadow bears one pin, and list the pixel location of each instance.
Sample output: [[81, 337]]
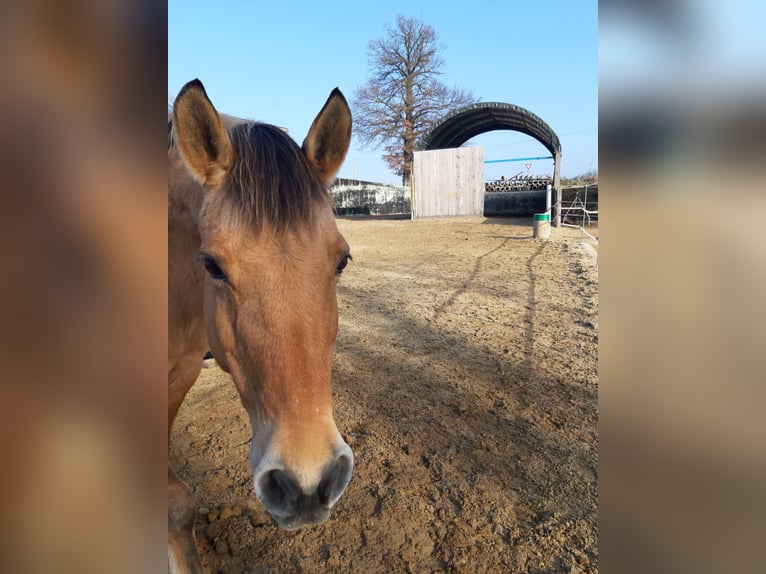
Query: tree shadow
[[515, 384]]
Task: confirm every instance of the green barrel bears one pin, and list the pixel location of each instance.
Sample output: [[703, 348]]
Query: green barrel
[[541, 225]]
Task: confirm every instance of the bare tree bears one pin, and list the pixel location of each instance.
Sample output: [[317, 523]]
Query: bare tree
[[403, 96]]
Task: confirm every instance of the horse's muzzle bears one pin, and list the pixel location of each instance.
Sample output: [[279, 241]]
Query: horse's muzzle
[[292, 506]]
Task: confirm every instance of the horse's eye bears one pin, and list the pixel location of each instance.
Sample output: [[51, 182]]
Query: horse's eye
[[212, 268], [342, 264]]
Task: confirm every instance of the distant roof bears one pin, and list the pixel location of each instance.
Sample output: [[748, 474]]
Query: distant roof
[[460, 125]]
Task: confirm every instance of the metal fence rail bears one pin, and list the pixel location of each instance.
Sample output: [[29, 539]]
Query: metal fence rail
[[577, 208]]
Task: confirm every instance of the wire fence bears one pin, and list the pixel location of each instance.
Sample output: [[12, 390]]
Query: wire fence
[[577, 211]]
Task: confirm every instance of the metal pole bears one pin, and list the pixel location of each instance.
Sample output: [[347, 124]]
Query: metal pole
[[556, 219], [584, 209], [584, 206], [548, 199]]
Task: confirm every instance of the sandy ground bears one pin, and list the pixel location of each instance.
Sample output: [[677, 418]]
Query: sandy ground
[[466, 384]]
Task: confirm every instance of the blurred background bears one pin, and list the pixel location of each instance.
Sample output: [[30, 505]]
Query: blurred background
[[682, 125], [83, 290], [83, 285]]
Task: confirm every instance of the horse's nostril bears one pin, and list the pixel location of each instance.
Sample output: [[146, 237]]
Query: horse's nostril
[[324, 490], [334, 481], [278, 488]]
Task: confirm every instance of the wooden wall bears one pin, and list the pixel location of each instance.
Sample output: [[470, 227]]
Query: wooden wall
[[448, 182]]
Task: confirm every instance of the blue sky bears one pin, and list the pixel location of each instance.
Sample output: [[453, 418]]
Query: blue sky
[[278, 61]]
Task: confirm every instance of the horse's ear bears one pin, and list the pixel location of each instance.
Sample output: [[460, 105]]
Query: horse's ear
[[200, 135], [329, 137]]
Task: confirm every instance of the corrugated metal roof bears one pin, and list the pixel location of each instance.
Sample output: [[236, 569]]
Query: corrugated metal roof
[[457, 127]]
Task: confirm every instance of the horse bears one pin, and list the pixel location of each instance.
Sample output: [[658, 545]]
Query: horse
[[254, 257]]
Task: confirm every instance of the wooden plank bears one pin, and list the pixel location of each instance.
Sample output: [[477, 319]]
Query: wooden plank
[[448, 182]]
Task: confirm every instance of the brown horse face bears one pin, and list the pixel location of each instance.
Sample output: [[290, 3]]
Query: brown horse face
[[270, 303], [273, 319]]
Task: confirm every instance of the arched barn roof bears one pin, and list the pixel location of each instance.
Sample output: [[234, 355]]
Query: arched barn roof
[[457, 127]]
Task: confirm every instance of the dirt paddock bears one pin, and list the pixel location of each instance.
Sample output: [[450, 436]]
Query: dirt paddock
[[465, 381]]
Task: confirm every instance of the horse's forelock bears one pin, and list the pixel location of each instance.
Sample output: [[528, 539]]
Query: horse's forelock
[[272, 181]]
